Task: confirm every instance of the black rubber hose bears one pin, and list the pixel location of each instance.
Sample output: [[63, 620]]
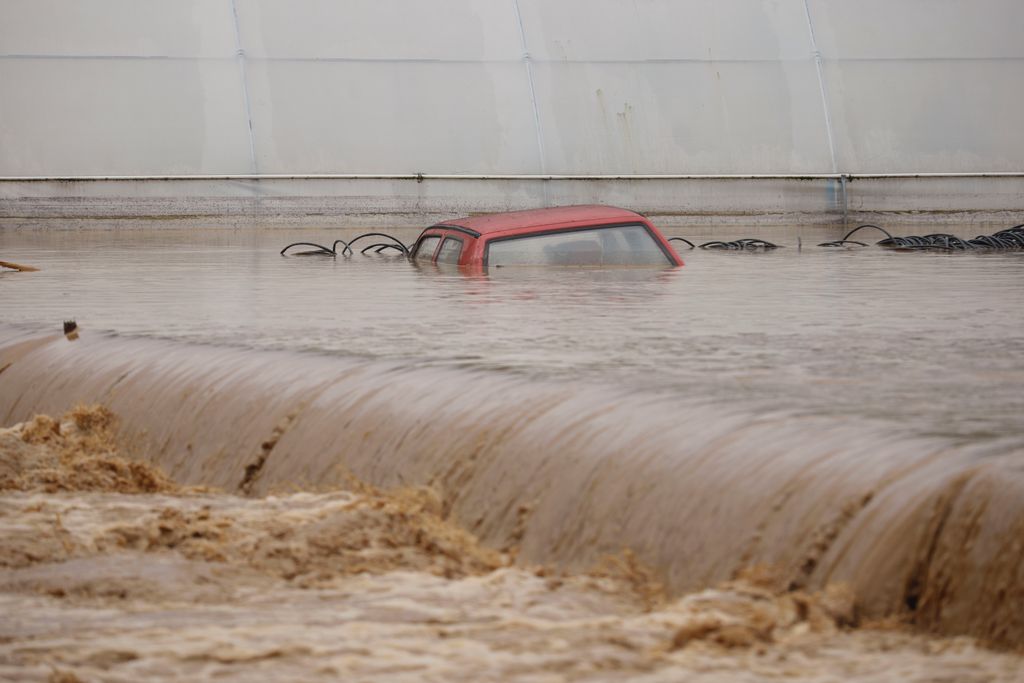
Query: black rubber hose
[[861, 227], [839, 243], [1011, 238], [322, 249], [378, 247], [681, 239], [756, 243], [1013, 235], [347, 251], [346, 247], [744, 244]]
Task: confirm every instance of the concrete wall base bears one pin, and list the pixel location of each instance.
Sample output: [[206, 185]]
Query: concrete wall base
[[409, 201]]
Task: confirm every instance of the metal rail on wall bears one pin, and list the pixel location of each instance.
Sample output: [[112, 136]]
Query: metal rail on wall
[[524, 176]]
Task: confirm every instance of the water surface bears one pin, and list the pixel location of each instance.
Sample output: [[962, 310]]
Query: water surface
[[931, 342]]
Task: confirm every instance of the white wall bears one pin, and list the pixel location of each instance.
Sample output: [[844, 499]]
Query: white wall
[[125, 87]]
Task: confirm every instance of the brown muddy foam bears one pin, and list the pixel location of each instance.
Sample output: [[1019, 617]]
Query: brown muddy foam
[[298, 537], [105, 584], [920, 530], [76, 453]]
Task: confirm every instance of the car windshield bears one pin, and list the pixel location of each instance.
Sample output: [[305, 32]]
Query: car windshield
[[619, 245]]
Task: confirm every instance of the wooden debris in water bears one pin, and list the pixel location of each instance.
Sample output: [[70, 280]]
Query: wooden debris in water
[[18, 267]]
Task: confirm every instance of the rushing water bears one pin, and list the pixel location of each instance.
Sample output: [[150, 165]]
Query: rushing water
[[932, 342], [122, 575]]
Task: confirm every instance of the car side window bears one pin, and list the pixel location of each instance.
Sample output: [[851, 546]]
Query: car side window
[[451, 250], [425, 250]]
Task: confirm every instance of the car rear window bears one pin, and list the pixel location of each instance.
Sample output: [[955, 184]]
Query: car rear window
[[619, 245], [425, 251]]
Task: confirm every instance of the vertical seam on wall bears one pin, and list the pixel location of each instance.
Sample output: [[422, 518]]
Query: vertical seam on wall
[[240, 56], [821, 86], [533, 90], [846, 201]]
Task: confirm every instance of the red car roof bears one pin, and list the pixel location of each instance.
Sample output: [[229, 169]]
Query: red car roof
[[535, 218]]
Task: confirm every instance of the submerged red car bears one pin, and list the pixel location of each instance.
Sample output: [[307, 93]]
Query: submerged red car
[[563, 236]]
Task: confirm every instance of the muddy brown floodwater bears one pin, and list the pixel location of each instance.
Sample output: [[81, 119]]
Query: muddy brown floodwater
[[113, 572], [807, 463]]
